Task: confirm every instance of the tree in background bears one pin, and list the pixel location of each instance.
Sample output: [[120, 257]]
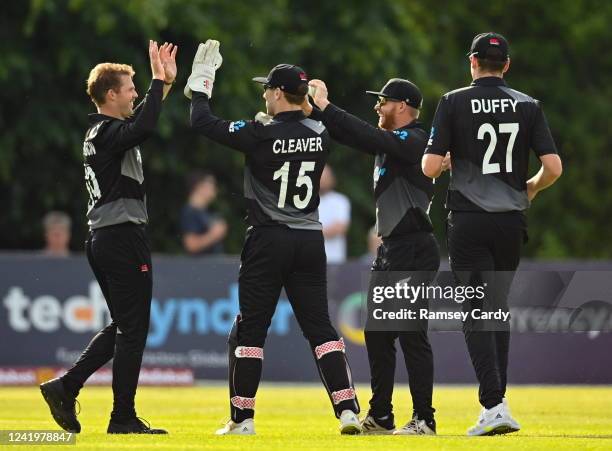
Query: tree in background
[[559, 55]]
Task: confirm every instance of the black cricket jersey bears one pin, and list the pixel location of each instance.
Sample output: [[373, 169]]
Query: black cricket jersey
[[113, 163], [489, 129], [403, 194], [283, 163]]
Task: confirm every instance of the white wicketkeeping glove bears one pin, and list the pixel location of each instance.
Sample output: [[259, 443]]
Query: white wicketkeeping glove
[[263, 118], [205, 63]]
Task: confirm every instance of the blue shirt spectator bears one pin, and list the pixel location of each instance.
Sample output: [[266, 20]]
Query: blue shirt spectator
[[203, 231]]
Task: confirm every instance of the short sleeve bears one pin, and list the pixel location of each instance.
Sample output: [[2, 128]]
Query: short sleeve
[[542, 141], [439, 138]]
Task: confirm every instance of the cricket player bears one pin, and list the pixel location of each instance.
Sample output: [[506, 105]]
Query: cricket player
[[284, 243], [488, 129], [403, 196], [117, 247]]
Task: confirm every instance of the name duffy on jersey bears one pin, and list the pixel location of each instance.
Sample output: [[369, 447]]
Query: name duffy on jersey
[[493, 105]]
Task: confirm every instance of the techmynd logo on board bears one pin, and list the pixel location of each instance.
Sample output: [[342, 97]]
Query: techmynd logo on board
[[88, 314]]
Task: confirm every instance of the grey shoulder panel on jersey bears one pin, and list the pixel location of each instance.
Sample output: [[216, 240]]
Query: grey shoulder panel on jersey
[[118, 212], [456, 91], [131, 165], [486, 191], [267, 201], [393, 204], [93, 131], [517, 95], [315, 126]]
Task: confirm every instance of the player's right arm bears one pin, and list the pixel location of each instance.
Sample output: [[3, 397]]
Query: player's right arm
[[359, 134], [240, 135], [354, 132]]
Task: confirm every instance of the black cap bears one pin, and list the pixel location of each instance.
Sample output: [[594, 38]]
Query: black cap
[[288, 77], [400, 89], [490, 46]]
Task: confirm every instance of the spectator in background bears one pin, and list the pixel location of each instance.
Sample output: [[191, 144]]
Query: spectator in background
[[57, 227], [203, 231], [373, 242], [335, 216]]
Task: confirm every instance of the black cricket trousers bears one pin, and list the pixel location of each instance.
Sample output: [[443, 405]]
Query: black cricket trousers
[[274, 257], [485, 248], [417, 252], [120, 258]]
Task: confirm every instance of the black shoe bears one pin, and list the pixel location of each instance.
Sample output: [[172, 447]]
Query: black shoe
[[62, 405], [132, 426]]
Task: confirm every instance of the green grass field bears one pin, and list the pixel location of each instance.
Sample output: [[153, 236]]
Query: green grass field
[[299, 417]]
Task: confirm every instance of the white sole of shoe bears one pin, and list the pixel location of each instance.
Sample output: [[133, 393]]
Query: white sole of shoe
[[414, 435], [234, 433], [496, 429]]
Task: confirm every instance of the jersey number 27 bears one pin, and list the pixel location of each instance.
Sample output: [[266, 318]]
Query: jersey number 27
[[488, 129]]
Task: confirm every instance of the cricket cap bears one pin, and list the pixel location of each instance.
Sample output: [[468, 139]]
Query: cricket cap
[[490, 46], [288, 77], [402, 90]]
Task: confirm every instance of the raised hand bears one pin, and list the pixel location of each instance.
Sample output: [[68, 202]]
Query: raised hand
[[167, 56], [318, 92], [205, 63], [157, 68]]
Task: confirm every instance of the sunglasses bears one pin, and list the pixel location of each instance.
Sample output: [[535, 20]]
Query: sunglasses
[[382, 100]]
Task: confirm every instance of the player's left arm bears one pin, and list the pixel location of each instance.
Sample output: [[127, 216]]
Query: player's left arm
[[167, 56], [544, 147], [437, 156]]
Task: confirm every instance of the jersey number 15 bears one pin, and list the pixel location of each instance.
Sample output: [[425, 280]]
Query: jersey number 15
[[488, 129], [302, 179]]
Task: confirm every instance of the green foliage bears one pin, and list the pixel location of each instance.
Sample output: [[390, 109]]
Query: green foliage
[[559, 56]]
